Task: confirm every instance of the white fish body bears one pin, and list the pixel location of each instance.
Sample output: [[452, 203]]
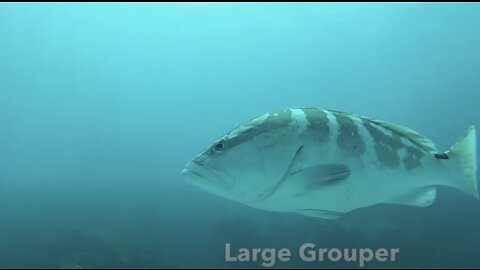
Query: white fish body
[[323, 163]]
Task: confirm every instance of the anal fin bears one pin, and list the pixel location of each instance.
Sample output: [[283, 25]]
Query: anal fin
[[421, 197], [317, 213]]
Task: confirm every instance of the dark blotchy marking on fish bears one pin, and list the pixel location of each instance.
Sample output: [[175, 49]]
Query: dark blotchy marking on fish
[[413, 158], [387, 148], [348, 138], [318, 123], [274, 120]]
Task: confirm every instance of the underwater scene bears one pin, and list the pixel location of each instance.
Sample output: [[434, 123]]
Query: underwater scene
[[239, 135]]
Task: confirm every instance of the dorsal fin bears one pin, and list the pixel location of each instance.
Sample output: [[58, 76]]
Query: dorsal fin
[[416, 138]]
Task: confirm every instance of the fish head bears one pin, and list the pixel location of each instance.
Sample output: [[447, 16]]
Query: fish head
[[225, 172], [243, 164]]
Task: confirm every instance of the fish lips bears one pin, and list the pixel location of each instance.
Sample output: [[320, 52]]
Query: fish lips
[[193, 171], [202, 175], [197, 173]]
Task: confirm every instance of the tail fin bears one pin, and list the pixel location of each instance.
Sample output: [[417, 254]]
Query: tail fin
[[464, 153]]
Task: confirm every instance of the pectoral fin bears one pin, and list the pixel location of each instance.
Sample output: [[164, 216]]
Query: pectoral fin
[[310, 177], [322, 174]]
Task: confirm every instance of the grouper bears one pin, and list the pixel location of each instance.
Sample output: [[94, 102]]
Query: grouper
[[324, 163]]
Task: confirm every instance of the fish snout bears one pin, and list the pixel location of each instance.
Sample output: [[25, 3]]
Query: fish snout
[[200, 159], [185, 172], [192, 168]]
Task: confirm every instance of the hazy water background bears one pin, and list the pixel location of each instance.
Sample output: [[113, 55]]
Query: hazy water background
[[102, 105]]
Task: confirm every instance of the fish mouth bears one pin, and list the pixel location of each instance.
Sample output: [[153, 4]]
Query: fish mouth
[[205, 176], [193, 175], [192, 171]]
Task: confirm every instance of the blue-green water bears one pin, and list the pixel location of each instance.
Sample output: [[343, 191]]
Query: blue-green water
[[102, 105]]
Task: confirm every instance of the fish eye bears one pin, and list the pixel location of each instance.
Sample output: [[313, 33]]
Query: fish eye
[[219, 146]]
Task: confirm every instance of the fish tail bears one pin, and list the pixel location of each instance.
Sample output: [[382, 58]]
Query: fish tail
[[463, 153]]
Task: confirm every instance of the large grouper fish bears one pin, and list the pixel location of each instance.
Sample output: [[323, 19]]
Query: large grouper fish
[[323, 163]]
